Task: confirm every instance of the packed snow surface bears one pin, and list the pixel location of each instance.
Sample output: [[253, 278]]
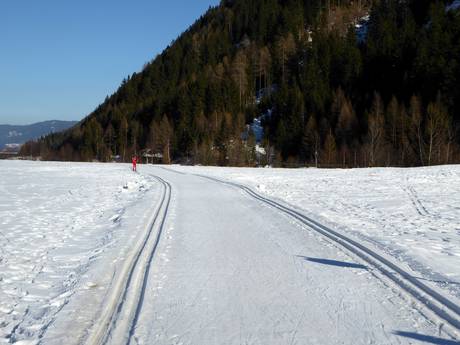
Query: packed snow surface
[[226, 269], [412, 214]]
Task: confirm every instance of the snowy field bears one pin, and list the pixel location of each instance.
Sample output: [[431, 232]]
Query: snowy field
[[61, 226], [226, 269], [411, 214]]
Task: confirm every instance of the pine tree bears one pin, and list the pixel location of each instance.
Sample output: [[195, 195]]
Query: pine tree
[[165, 137], [417, 137], [330, 149], [285, 48], [123, 138], [135, 134], [376, 128], [240, 66], [311, 141], [347, 122], [404, 136]]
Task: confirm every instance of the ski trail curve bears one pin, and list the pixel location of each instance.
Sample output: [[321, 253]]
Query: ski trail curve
[[434, 302], [124, 303]]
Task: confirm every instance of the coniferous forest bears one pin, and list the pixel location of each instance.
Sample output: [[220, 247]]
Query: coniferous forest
[[330, 86]]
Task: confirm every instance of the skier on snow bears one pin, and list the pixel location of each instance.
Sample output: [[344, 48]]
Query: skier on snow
[[134, 160]]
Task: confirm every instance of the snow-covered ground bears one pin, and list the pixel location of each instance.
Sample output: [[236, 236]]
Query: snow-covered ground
[[79, 245], [62, 229], [455, 5], [412, 214], [362, 28]]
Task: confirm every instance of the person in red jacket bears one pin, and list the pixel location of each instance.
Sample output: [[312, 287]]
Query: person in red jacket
[[134, 160]]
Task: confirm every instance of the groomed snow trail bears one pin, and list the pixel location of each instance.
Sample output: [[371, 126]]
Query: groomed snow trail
[[94, 254], [124, 303], [229, 270], [435, 302], [412, 215]]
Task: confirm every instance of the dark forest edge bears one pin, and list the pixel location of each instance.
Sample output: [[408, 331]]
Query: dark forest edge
[[328, 96]]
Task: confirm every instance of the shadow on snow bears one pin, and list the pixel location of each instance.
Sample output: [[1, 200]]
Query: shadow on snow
[[333, 262], [426, 338]]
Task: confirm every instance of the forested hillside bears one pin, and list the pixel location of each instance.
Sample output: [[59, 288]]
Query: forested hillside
[[329, 85]]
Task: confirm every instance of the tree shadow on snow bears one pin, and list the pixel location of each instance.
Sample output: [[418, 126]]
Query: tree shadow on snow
[[333, 262], [426, 338]]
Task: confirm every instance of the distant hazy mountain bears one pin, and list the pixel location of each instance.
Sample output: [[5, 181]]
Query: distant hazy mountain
[[11, 137]]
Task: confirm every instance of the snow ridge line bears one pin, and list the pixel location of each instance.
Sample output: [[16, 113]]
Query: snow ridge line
[[119, 317], [436, 303]]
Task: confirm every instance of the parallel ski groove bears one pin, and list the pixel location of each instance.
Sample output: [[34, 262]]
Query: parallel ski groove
[[438, 304], [108, 324], [152, 253]]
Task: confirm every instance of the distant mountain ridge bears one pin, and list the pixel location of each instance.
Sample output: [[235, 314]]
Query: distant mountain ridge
[[12, 136]]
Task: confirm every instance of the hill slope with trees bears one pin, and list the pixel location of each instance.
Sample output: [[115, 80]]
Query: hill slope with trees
[[384, 92]]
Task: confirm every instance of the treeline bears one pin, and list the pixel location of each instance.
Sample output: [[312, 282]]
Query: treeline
[[397, 135], [328, 96]]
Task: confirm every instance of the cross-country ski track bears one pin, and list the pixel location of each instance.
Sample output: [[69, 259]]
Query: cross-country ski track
[[120, 314], [200, 259], [126, 321], [434, 301]]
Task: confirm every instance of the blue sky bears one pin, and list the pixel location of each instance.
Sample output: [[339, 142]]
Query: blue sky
[[59, 59]]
